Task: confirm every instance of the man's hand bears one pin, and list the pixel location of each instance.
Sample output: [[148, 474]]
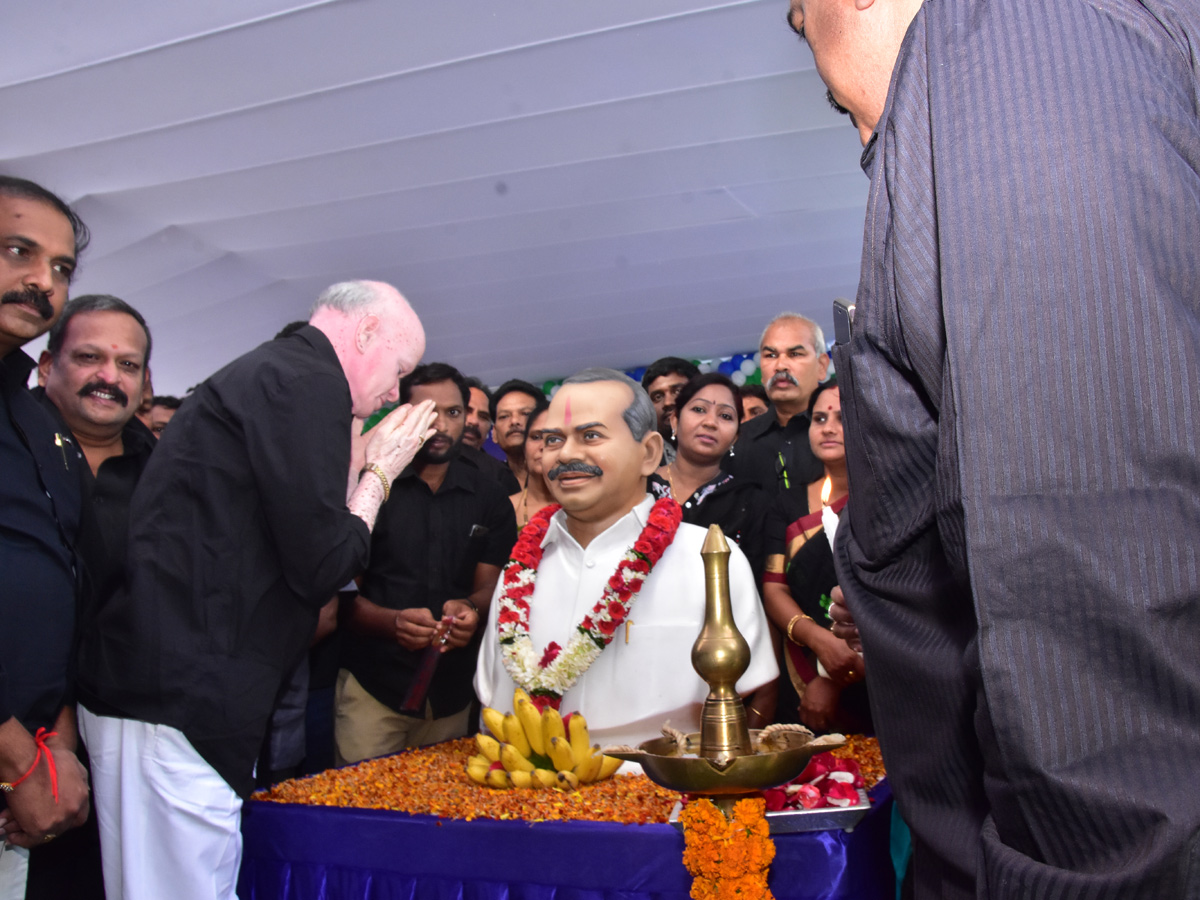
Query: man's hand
[[32, 812], [843, 664], [843, 622], [465, 621], [394, 442], [415, 628], [819, 704]]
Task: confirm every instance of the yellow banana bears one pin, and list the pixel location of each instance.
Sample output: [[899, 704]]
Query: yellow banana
[[498, 778], [568, 781], [560, 754], [494, 720], [514, 733], [518, 696], [608, 766], [479, 760], [531, 721], [546, 777], [523, 780], [512, 760], [478, 774], [588, 770], [581, 742], [488, 746], [552, 725]]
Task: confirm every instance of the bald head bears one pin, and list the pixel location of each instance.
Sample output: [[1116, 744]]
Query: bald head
[[376, 335]]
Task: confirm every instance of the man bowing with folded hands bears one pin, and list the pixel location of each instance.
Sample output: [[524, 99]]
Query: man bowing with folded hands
[[241, 531]]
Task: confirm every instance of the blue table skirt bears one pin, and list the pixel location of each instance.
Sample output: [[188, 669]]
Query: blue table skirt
[[326, 853]]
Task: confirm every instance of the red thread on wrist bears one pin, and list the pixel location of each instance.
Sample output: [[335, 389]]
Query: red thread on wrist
[[40, 739]]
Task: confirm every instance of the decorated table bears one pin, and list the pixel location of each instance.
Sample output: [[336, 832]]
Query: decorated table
[[299, 849]]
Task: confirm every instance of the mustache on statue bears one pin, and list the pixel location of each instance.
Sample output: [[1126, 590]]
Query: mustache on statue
[[93, 387], [571, 467], [39, 300]]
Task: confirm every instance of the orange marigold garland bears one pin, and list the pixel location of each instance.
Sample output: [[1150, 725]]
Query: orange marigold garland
[[727, 858]]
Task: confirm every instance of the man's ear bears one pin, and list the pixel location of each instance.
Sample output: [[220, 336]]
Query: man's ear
[[823, 362], [863, 4], [652, 448], [367, 331], [44, 362]]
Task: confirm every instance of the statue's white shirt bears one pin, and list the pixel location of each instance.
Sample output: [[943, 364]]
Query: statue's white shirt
[[635, 686]]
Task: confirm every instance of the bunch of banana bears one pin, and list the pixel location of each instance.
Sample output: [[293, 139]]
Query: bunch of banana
[[531, 749]]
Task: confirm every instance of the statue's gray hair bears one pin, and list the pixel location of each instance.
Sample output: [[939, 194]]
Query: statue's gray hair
[[348, 297], [818, 334], [639, 415]]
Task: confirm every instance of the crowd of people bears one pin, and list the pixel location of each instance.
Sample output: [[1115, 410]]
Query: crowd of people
[[184, 556], [1008, 596]]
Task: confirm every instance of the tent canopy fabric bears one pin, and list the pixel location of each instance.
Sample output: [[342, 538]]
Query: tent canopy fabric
[[551, 183]]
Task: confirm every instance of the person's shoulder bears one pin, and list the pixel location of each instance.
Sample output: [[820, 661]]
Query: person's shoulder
[[758, 426]]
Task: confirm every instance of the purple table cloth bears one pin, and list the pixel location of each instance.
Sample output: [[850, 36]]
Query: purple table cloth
[[325, 853]]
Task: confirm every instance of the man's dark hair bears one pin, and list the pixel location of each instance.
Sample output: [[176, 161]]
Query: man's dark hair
[[291, 328], [755, 390], [432, 373], [29, 190], [668, 365], [517, 386], [473, 382], [166, 402], [697, 384], [94, 303]]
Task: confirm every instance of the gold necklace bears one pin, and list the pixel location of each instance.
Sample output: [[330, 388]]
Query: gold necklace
[[524, 504]]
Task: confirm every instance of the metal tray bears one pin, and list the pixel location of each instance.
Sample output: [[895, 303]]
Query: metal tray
[[828, 818]]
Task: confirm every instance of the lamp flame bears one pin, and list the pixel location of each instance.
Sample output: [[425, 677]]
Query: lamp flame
[[826, 490]]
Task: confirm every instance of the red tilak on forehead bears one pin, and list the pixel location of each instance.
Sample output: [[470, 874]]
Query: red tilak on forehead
[[568, 412]]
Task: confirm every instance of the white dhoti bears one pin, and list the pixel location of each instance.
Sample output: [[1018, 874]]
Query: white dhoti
[[170, 826]]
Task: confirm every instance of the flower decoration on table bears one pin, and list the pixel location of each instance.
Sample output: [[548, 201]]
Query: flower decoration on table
[[532, 748], [727, 857], [547, 675], [826, 781]]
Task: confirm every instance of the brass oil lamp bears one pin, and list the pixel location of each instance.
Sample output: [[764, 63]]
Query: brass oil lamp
[[726, 761]]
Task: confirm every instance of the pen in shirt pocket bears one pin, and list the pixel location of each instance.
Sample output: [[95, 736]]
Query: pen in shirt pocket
[[61, 442]]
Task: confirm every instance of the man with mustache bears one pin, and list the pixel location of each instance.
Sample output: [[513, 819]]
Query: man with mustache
[[412, 637], [40, 507], [512, 405], [1020, 547], [475, 431], [773, 448], [94, 367], [601, 443]]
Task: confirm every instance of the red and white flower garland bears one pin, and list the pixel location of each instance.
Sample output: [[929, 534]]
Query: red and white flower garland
[[549, 675]]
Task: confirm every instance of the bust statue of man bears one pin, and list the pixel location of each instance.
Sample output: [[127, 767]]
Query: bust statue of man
[[600, 445]]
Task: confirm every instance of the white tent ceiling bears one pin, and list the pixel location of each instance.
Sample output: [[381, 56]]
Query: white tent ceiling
[[552, 183]]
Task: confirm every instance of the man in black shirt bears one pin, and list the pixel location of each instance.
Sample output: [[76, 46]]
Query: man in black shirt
[[478, 423], [773, 448], [241, 531], [40, 482], [436, 555], [94, 367]]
